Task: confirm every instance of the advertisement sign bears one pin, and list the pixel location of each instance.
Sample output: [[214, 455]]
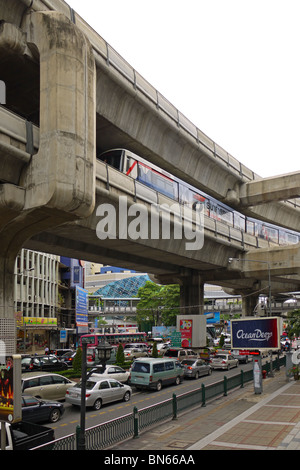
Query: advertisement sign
[[186, 330], [10, 389], [81, 307], [256, 333], [192, 329]]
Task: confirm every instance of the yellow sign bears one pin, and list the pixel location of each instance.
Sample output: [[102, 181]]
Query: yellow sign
[[39, 321]]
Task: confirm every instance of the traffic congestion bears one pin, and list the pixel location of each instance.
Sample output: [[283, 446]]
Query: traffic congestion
[[50, 385]]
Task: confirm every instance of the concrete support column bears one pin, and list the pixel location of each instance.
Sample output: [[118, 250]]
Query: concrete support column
[[192, 294], [249, 305]]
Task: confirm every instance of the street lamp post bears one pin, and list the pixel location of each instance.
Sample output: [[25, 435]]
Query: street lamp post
[[269, 275], [269, 280], [103, 351]]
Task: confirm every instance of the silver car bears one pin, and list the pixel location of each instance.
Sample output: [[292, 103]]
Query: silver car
[[223, 361], [99, 392], [132, 353], [112, 372], [195, 368]]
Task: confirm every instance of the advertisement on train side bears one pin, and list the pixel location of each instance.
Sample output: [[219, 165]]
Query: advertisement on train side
[[256, 333]]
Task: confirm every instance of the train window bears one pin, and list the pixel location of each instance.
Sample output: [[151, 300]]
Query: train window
[[225, 215], [250, 227], [190, 198], [157, 181], [112, 158], [131, 167]]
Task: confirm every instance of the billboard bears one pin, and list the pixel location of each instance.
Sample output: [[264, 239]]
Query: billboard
[[256, 333], [192, 329], [81, 307], [10, 388]]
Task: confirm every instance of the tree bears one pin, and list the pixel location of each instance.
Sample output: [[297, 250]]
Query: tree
[[120, 358], [154, 350], [77, 362], [158, 303], [293, 328]]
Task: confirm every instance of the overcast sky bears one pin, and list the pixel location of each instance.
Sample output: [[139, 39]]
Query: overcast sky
[[230, 66]]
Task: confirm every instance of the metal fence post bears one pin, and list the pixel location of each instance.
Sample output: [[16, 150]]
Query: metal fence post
[[203, 395], [225, 386], [174, 405], [135, 423], [242, 378]]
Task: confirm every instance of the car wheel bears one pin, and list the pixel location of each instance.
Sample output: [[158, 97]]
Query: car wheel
[[97, 404], [54, 415], [158, 386], [177, 381], [126, 396]]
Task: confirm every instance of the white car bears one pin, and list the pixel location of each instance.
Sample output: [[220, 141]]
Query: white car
[[99, 392], [112, 372], [223, 361]]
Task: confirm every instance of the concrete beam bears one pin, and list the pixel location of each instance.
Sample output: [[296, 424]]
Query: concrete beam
[[278, 188], [279, 261]]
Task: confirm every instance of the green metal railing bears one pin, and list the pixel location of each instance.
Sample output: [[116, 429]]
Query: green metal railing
[[131, 425]]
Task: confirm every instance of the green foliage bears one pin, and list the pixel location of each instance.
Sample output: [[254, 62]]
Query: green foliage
[[154, 350], [293, 328], [222, 340], [120, 358], [77, 361], [159, 304]]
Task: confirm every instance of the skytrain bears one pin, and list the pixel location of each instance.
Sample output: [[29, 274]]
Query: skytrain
[[165, 183]]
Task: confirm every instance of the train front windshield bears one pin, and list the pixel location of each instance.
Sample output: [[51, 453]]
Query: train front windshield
[[112, 158]]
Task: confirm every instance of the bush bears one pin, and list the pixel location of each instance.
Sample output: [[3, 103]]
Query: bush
[[77, 361], [154, 350], [221, 343], [120, 358]]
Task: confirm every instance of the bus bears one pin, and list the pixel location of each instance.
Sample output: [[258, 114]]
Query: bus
[[114, 339]]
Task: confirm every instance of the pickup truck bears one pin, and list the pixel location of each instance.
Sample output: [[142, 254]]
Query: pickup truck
[[25, 436]]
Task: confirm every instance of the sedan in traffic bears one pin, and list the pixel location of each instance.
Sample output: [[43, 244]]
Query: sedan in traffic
[[35, 410], [223, 361], [133, 353], [194, 368], [99, 392], [112, 372]]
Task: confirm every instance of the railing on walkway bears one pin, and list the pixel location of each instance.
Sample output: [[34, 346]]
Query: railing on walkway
[[131, 425]]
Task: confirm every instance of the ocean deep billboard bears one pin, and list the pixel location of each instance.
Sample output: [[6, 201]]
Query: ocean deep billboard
[[256, 333]]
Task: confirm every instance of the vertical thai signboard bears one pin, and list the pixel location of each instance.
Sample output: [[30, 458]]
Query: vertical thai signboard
[[81, 310]]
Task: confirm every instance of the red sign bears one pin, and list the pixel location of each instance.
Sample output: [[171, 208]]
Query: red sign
[[245, 352], [186, 328]]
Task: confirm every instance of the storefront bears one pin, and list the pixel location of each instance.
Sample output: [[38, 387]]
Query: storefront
[[34, 334]]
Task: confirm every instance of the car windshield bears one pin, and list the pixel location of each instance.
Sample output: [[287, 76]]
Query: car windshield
[[90, 384], [141, 367], [221, 356], [172, 353]]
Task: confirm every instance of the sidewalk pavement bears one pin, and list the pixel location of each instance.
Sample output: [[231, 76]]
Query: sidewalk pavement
[[242, 420]]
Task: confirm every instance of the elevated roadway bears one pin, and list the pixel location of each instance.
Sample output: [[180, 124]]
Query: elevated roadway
[[83, 98]]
